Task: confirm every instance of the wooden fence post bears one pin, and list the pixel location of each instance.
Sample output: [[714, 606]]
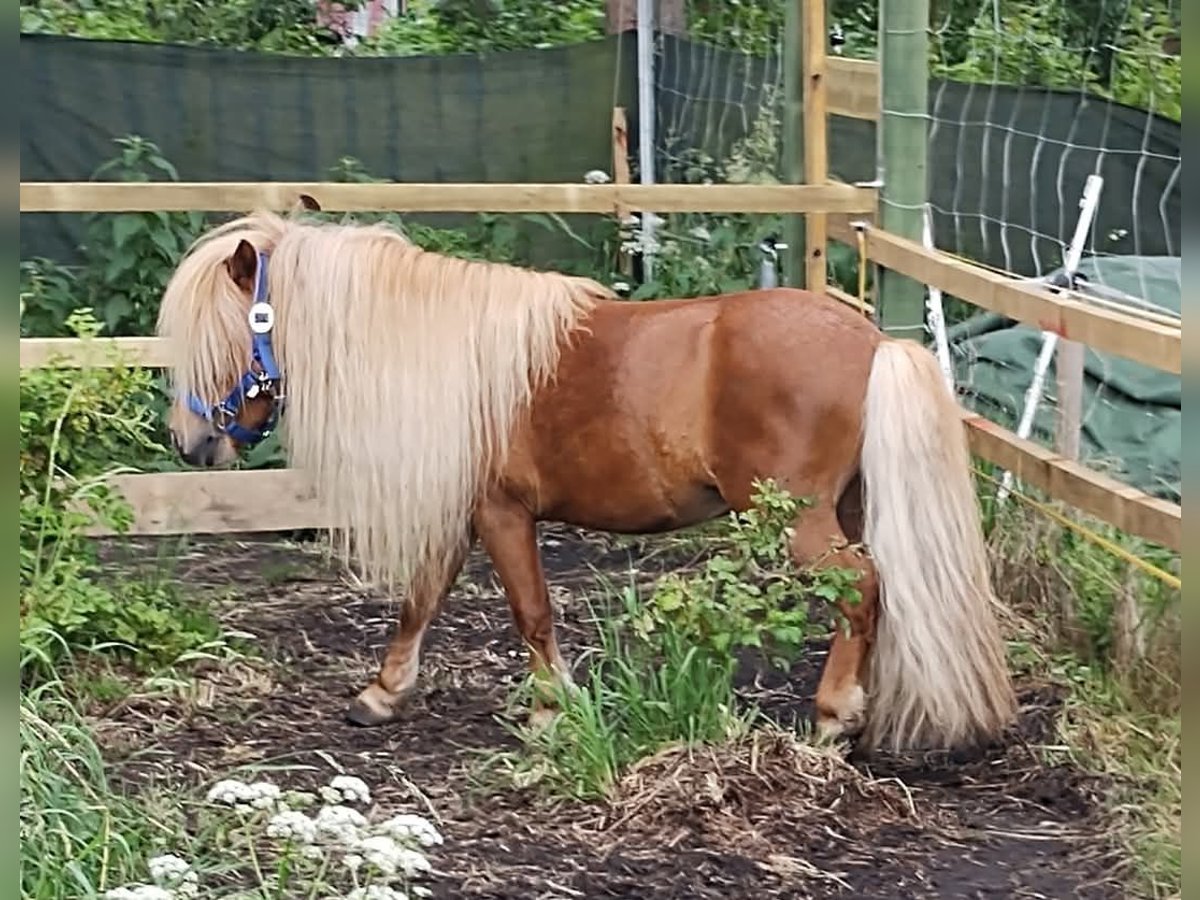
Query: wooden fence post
[[816, 140], [620, 163]]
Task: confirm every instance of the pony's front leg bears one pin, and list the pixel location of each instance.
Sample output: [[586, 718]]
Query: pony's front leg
[[382, 700], [509, 535]]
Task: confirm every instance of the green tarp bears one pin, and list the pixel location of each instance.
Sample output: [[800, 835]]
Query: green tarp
[[1132, 414]]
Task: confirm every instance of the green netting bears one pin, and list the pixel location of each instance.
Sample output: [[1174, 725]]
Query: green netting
[[1005, 161], [1132, 414]]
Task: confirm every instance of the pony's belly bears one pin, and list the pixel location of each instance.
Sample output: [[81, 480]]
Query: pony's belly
[[630, 511]]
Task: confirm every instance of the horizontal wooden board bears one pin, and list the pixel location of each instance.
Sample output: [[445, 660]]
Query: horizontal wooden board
[[1070, 316], [850, 300], [1077, 485], [219, 502], [74, 353], [853, 88], [208, 502], [336, 197]]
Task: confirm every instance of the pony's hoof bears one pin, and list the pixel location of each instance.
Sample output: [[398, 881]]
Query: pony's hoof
[[849, 723], [369, 710], [831, 729], [542, 718]]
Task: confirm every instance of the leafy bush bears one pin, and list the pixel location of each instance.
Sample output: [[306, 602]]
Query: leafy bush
[[664, 670], [128, 257], [286, 26], [440, 27], [73, 424], [749, 593]]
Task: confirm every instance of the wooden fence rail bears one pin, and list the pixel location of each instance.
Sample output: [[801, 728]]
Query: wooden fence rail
[[176, 196], [283, 499], [1152, 342]]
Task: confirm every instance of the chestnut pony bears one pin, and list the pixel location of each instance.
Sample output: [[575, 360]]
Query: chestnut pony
[[437, 401]]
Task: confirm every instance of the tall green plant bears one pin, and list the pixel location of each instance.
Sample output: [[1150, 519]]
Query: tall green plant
[[131, 255], [664, 670], [128, 258], [74, 423], [78, 836]]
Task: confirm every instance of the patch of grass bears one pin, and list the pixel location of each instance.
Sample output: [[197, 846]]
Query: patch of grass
[[78, 836], [1087, 618], [663, 670], [1106, 730], [638, 697]]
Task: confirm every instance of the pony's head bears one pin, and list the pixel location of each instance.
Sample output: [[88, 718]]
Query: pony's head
[[219, 321]]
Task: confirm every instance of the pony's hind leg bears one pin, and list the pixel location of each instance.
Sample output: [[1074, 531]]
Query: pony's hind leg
[[508, 533], [820, 543], [382, 700]]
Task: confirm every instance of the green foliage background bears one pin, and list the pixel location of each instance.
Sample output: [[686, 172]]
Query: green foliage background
[[1109, 47]]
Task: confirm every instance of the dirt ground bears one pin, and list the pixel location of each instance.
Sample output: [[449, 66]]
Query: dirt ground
[[768, 818]]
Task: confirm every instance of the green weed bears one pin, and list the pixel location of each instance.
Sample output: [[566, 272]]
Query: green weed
[[663, 669], [1088, 619], [78, 836]]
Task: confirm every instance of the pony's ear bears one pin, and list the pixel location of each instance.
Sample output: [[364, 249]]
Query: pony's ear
[[243, 265], [309, 202]]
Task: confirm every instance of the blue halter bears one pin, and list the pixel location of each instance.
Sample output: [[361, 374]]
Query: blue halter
[[253, 383]]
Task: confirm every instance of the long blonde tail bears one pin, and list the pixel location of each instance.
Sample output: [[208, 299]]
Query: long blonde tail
[[938, 676]]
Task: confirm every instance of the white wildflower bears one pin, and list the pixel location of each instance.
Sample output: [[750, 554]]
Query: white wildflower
[[230, 791], [169, 868], [350, 789], [408, 827], [419, 890], [701, 233], [292, 825], [140, 892], [238, 794], [620, 286], [340, 822], [376, 892], [264, 795], [352, 861], [597, 176], [413, 863], [174, 872], [382, 852]]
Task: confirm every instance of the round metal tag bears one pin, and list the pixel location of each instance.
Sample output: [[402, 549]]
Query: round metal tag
[[262, 318]]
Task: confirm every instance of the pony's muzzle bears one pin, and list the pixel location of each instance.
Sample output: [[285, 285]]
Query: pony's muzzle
[[204, 451]]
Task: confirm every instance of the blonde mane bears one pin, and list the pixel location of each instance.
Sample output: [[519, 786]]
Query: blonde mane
[[404, 370]]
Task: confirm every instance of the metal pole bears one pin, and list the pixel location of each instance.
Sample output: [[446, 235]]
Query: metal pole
[[903, 153], [1050, 342], [937, 314], [645, 74]]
